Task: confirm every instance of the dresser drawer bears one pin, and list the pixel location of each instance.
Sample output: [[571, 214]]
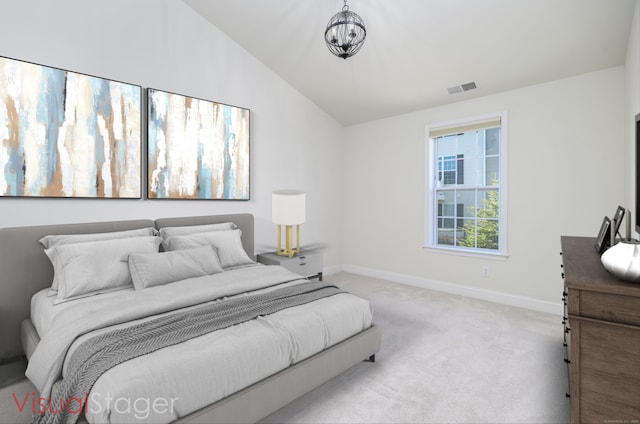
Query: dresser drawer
[[608, 374], [623, 309]]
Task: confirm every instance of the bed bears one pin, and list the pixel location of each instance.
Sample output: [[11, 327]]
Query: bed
[[266, 375]]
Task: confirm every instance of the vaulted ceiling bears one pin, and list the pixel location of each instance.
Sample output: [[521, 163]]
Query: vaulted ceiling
[[416, 49]]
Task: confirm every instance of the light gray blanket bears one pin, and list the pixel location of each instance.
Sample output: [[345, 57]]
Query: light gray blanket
[[99, 354]]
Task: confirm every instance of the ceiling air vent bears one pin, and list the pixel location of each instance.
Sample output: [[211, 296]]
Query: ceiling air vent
[[462, 87]]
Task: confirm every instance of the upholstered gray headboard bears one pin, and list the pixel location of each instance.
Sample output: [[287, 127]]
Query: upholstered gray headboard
[[244, 221], [25, 269]]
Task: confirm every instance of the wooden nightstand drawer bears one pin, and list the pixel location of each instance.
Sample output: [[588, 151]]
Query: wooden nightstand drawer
[[307, 264]]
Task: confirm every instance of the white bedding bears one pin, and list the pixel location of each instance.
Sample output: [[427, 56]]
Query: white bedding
[[188, 376], [43, 310]]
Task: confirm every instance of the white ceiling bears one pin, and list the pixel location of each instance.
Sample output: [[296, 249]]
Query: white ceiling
[[416, 49]]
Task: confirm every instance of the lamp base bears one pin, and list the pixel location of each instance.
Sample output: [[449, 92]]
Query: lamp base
[[289, 250], [290, 253]]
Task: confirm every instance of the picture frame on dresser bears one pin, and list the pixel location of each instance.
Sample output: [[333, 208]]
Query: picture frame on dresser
[[616, 222], [604, 236], [68, 134]]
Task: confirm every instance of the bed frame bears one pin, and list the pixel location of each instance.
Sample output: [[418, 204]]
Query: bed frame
[[25, 270]]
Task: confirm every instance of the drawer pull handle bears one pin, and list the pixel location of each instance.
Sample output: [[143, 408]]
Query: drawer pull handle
[[302, 257], [303, 264], [567, 395], [567, 361]]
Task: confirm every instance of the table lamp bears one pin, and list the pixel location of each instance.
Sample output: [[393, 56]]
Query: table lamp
[[288, 209]]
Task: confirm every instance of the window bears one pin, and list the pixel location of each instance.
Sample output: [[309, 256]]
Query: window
[[451, 169], [466, 180]]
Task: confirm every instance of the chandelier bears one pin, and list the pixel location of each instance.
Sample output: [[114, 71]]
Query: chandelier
[[345, 33]]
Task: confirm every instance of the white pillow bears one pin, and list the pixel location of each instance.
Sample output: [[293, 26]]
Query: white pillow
[[227, 243], [89, 268], [61, 239], [167, 232], [154, 269], [58, 239]]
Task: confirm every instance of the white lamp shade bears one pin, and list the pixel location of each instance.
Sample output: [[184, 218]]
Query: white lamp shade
[[288, 207]]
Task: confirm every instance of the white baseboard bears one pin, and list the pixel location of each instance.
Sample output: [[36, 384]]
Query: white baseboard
[[477, 293], [334, 269]]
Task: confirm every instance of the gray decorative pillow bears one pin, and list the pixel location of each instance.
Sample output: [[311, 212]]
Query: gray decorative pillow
[[61, 239], [227, 243], [167, 232], [89, 268], [154, 269]]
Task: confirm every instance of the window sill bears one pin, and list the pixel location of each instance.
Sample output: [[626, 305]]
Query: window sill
[[466, 253]]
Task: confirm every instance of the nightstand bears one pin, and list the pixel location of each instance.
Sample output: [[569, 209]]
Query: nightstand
[[308, 263]]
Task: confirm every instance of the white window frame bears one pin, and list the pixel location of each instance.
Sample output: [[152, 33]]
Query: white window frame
[[431, 204]]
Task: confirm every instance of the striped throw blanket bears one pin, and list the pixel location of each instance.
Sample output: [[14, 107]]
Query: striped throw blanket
[[97, 355]]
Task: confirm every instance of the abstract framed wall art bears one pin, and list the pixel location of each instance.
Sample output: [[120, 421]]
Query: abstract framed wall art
[[197, 149], [66, 134]]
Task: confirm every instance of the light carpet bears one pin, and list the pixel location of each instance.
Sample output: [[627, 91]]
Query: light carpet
[[444, 359]]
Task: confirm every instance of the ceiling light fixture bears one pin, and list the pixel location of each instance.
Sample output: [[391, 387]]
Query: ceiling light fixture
[[345, 33]]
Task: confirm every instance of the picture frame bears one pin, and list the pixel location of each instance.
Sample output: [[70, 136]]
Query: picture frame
[[616, 222], [67, 134], [196, 149], [603, 240]]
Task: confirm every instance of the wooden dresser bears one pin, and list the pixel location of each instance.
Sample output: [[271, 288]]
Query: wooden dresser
[[602, 334]]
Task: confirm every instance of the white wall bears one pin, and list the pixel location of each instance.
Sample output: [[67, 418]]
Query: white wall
[[566, 145], [632, 101], [566, 170], [164, 44]]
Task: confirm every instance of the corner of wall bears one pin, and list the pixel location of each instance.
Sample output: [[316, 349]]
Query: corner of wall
[[632, 99]]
